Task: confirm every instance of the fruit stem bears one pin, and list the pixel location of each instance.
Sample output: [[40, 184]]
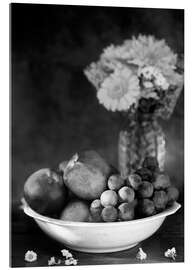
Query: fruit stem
[[73, 160], [70, 164]]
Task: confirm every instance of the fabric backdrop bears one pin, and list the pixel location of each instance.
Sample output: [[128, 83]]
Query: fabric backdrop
[[55, 112]]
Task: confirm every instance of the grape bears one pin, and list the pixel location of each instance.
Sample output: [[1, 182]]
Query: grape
[[162, 181], [109, 197], [146, 207], [95, 214], [151, 163], [126, 211], [95, 211], [145, 190], [145, 174], [109, 214], [126, 194], [173, 194], [160, 200], [115, 182], [134, 180], [96, 204]]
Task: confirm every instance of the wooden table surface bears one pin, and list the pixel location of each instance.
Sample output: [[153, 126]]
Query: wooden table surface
[[26, 235]]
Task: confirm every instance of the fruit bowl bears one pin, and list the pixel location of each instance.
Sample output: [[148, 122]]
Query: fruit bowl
[[101, 237]]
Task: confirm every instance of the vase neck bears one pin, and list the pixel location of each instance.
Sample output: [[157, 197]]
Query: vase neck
[[139, 119]]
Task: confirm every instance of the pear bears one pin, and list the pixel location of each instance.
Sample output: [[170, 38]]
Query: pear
[[86, 176], [93, 158]]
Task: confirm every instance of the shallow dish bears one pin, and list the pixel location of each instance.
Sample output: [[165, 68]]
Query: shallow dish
[[101, 237]]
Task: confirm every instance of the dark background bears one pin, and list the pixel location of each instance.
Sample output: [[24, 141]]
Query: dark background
[[55, 112]]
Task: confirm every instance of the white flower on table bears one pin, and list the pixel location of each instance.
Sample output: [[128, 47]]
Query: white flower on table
[[71, 261], [30, 256], [141, 255], [66, 253], [52, 261], [170, 253]]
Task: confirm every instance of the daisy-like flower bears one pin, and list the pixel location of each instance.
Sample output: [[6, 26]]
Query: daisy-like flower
[[120, 90], [96, 74], [110, 65], [141, 255], [171, 253], [147, 84], [115, 52], [148, 51], [30, 256], [148, 72], [151, 74], [161, 81], [52, 261]]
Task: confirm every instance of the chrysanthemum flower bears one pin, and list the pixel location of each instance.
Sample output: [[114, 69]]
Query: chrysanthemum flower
[[115, 52], [120, 90], [30, 256], [148, 51]]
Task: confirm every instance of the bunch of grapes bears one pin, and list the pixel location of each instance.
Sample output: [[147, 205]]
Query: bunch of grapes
[[143, 193]]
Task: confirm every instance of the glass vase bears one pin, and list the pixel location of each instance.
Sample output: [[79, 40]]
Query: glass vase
[[140, 138]]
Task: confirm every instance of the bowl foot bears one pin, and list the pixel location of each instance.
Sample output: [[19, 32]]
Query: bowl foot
[[102, 250]]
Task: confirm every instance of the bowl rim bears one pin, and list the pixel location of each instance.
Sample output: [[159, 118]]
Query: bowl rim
[[30, 212]]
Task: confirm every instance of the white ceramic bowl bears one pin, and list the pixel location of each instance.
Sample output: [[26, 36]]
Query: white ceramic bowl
[[101, 237]]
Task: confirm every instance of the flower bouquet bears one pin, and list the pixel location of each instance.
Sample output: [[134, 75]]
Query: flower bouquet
[[141, 78]]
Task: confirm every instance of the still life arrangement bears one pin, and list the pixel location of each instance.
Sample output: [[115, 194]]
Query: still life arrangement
[[85, 200]]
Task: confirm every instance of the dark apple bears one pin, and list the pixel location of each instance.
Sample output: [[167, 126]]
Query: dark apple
[[45, 192]]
